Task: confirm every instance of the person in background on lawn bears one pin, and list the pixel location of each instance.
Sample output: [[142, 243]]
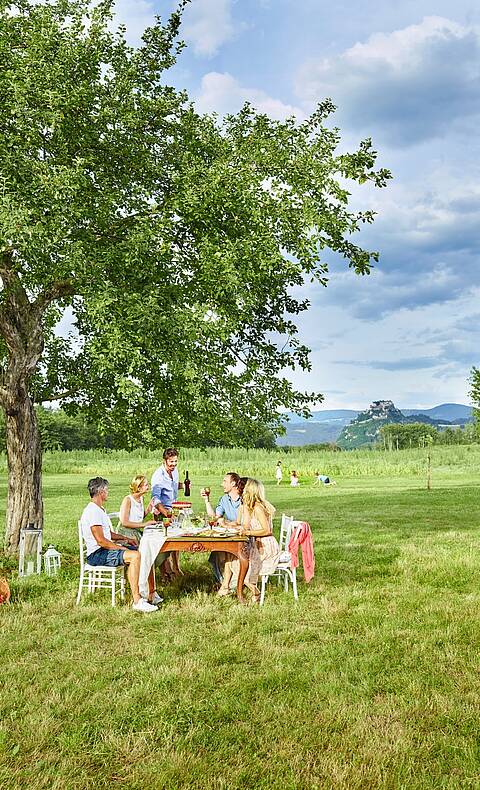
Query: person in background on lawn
[[228, 508], [105, 547], [131, 524], [294, 481], [278, 472], [165, 488], [323, 480]]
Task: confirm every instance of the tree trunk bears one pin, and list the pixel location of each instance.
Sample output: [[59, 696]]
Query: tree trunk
[[24, 454]]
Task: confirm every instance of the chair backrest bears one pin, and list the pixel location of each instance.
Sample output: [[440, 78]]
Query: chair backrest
[[286, 528], [83, 548]]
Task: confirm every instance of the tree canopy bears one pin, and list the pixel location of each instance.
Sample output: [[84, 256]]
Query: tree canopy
[[177, 241], [174, 238]]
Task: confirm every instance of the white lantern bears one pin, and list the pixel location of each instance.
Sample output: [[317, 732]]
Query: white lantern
[[30, 553], [51, 561]]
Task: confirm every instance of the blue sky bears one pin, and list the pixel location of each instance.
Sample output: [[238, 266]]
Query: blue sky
[[406, 74]]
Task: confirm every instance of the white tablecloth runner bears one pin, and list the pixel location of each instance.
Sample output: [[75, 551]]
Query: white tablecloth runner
[[150, 546]]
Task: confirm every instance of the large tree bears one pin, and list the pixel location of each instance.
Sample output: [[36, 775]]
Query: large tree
[[174, 239]]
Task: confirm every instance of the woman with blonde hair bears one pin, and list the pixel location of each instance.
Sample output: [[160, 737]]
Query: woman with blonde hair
[[263, 549], [133, 510], [131, 523]]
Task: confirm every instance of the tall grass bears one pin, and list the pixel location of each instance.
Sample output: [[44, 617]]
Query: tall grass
[[452, 460]]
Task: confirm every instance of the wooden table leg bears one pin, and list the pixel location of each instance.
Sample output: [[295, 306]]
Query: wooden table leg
[[243, 560]]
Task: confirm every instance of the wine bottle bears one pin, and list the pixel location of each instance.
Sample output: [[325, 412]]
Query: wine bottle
[[186, 484]]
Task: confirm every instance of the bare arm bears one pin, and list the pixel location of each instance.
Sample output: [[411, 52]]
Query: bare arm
[[208, 505], [262, 528], [102, 541]]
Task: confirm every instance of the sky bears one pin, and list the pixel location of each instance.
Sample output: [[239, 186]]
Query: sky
[[406, 74]]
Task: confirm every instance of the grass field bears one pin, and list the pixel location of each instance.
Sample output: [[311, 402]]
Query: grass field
[[371, 681]]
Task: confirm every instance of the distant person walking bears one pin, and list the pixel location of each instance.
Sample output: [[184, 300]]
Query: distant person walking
[[278, 472], [294, 481]]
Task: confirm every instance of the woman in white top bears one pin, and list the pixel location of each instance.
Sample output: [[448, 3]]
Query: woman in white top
[[278, 472], [131, 524], [133, 510]]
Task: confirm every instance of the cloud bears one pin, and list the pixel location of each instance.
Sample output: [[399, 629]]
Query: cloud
[[409, 85], [408, 363], [222, 93], [207, 24], [136, 15]]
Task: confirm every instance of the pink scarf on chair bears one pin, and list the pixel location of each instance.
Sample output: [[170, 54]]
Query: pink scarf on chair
[[302, 536]]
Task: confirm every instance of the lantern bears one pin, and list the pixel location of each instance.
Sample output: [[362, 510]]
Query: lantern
[[51, 561], [30, 555]]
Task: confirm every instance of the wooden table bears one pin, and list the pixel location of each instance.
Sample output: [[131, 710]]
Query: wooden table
[[195, 545]]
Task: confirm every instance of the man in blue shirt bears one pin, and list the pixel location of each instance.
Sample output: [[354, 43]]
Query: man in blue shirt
[[165, 484], [227, 508], [165, 487], [229, 504]]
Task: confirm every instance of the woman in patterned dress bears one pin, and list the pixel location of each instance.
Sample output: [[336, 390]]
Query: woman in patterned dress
[[262, 547]]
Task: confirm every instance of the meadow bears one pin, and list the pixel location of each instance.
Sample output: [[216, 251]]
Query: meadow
[[370, 681]]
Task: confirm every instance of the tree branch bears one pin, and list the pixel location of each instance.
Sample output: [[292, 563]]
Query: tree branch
[[56, 290], [59, 396]]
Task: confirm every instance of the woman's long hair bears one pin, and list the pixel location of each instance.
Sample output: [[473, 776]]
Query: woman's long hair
[[254, 494]]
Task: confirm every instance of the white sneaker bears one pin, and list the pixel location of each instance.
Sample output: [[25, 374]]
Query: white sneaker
[[143, 606], [156, 598]]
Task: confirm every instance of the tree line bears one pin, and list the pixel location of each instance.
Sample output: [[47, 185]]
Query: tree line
[[396, 436]]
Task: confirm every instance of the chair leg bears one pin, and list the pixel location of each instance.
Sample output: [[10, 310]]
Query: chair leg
[[122, 585], [294, 584], [286, 582], [262, 591], [113, 582], [91, 581], [80, 586]]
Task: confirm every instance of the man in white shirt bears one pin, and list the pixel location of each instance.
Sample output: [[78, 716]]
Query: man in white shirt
[[104, 547]]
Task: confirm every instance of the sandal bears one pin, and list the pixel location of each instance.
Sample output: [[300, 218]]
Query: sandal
[[223, 591], [255, 595]]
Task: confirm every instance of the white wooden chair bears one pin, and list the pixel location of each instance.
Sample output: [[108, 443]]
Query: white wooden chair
[[99, 577], [283, 571]]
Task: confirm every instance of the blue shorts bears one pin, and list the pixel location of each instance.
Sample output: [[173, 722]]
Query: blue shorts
[[113, 558]]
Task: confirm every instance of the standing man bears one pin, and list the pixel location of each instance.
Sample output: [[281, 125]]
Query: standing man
[[104, 547], [165, 486], [228, 508], [165, 483]]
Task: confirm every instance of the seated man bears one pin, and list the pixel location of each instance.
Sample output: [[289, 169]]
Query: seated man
[[105, 547], [228, 504], [228, 508]]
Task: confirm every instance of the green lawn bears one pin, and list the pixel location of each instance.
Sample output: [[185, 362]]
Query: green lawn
[[371, 681]]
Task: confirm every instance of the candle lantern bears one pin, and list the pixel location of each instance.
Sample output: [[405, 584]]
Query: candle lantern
[[30, 554], [51, 561]]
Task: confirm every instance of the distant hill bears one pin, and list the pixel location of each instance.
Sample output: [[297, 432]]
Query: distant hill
[[327, 425], [324, 426], [326, 415], [451, 412]]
